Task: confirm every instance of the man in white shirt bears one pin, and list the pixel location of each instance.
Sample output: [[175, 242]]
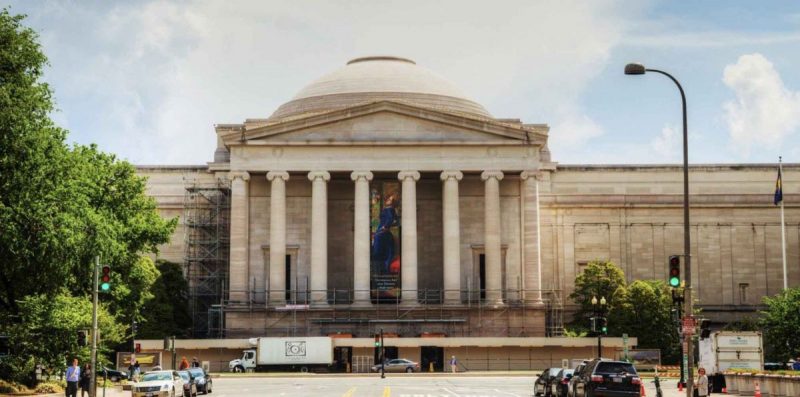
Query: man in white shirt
[[73, 376]]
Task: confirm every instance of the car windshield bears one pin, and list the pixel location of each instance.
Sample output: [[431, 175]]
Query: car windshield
[[196, 372], [614, 368], [184, 375], [565, 373], [554, 371], [157, 376]]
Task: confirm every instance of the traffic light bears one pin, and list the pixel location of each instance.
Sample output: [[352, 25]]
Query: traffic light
[[138, 348], [674, 271], [105, 278], [377, 341], [81, 338], [604, 325]]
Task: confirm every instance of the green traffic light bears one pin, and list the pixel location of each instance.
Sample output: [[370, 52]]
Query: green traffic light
[[105, 286], [674, 281], [605, 330]]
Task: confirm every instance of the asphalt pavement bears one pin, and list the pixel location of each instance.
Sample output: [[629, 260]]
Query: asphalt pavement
[[394, 385]]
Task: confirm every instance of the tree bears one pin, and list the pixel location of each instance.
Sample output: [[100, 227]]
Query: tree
[[168, 312], [60, 207], [644, 309], [599, 279], [781, 322]]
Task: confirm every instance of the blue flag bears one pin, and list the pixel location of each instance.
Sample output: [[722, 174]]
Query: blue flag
[[778, 188]]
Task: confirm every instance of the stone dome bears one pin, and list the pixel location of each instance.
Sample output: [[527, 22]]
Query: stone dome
[[379, 78]]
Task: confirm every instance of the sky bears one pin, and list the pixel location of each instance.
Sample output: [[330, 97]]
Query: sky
[[148, 79]]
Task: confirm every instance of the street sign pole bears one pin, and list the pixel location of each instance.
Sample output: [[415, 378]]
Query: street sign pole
[[383, 358], [93, 378]]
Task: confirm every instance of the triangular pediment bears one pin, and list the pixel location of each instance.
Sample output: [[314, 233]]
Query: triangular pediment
[[387, 122]]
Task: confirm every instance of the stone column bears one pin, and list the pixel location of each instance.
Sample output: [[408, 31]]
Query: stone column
[[277, 237], [361, 243], [531, 237], [408, 224], [319, 236], [240, 211], [491, 240], [451, 237]]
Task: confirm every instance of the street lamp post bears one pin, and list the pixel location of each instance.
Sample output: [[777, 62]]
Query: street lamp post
[[599, 309], [638, 69]]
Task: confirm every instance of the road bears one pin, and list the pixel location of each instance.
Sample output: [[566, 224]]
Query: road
[[401, 385]]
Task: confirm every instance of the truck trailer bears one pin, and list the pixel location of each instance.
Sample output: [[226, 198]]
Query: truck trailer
[[302, 354], [724, 350]]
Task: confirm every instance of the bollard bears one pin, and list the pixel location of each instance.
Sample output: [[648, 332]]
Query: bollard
[[430, 367]]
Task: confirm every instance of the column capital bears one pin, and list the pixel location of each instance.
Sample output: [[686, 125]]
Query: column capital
[[243, 175], [277, 174], [324, 175], [535, 174], [356, 175], [403, 175], [492, 174], [457, 175]]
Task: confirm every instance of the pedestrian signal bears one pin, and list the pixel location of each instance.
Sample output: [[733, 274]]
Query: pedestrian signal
[[105, 278], [674, 271]]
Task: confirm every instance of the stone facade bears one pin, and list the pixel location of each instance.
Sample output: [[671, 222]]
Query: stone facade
[[297, 188]]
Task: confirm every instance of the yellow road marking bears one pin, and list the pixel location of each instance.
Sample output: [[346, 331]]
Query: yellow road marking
[[349, 393], [387, 392]]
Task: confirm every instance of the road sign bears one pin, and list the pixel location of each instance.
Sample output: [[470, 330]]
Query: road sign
[[689, 325]]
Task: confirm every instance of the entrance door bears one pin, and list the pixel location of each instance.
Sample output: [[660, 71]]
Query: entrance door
[[432, 354], [482, 275], [342, 356], [288, 281], [391, 353]]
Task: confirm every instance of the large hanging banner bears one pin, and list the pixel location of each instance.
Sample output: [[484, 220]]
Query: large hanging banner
[[385, 238]]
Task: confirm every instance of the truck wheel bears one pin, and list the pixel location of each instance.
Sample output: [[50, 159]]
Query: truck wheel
[[409, 370], [238, 369], [304, 369]]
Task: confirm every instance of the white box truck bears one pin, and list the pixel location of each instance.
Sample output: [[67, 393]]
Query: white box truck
[[286, 354], [724, 350]]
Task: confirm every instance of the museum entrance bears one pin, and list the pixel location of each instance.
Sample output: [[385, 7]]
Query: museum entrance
[[432, 355], [342, 358]]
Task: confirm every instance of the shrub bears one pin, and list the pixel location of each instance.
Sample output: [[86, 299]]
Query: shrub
[[49, 387], [7, 387]]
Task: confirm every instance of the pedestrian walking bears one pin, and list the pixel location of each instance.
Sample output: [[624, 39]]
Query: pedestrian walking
[[701, 386], [85, 381], [796, 365], [195, 363], [184, 364], [73, 377], [453, 364]]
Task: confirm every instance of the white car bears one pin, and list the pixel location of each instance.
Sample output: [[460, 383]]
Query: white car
[[158, 383]]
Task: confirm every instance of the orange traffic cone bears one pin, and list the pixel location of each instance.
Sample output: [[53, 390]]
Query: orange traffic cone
[[758, 390], [642, 393]]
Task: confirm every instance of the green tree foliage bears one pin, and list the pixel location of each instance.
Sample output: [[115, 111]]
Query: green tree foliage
[[61, 206], [599, 279], [168, 312], [48, 334], [781, 323], [643, 309]]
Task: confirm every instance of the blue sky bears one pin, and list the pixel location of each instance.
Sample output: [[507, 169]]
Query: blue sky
[[149, 79]]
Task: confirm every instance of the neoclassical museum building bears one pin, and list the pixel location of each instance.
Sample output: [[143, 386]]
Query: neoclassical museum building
[[381, 198]]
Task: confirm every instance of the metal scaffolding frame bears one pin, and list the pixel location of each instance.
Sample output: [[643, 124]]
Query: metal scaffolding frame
[[206, 218]]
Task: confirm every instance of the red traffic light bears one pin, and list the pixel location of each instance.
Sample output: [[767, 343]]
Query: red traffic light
[[138, 348]]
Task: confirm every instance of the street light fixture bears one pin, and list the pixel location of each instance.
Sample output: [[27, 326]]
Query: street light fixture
[[638, 69], [599, 322]]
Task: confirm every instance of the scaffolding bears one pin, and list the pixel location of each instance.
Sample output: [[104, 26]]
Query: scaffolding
[[207, 247]]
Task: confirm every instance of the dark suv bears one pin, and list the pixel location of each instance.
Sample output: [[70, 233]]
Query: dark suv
[[607, 378]]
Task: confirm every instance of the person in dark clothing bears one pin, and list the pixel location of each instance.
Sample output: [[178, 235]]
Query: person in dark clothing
[[195, 363], [85, 381]]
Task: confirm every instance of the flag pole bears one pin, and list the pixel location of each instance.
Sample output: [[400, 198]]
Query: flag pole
[[783, 227]]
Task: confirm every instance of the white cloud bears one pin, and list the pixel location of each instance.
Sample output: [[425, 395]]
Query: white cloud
[[149, 80], [710, 39], [666, 146], [765, 111]]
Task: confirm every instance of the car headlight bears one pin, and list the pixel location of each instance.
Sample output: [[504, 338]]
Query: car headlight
[[165, 386], [201, 381]]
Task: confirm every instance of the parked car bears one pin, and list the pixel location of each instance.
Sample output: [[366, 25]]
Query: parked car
[[574, 378], [398, 365], [158, 383], [112, 374], [542, 385], [608, 378], [559, 385], [202, 379], [189, 388]]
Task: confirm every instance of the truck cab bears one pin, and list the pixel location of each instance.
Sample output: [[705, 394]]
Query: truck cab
[[247, 362]]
